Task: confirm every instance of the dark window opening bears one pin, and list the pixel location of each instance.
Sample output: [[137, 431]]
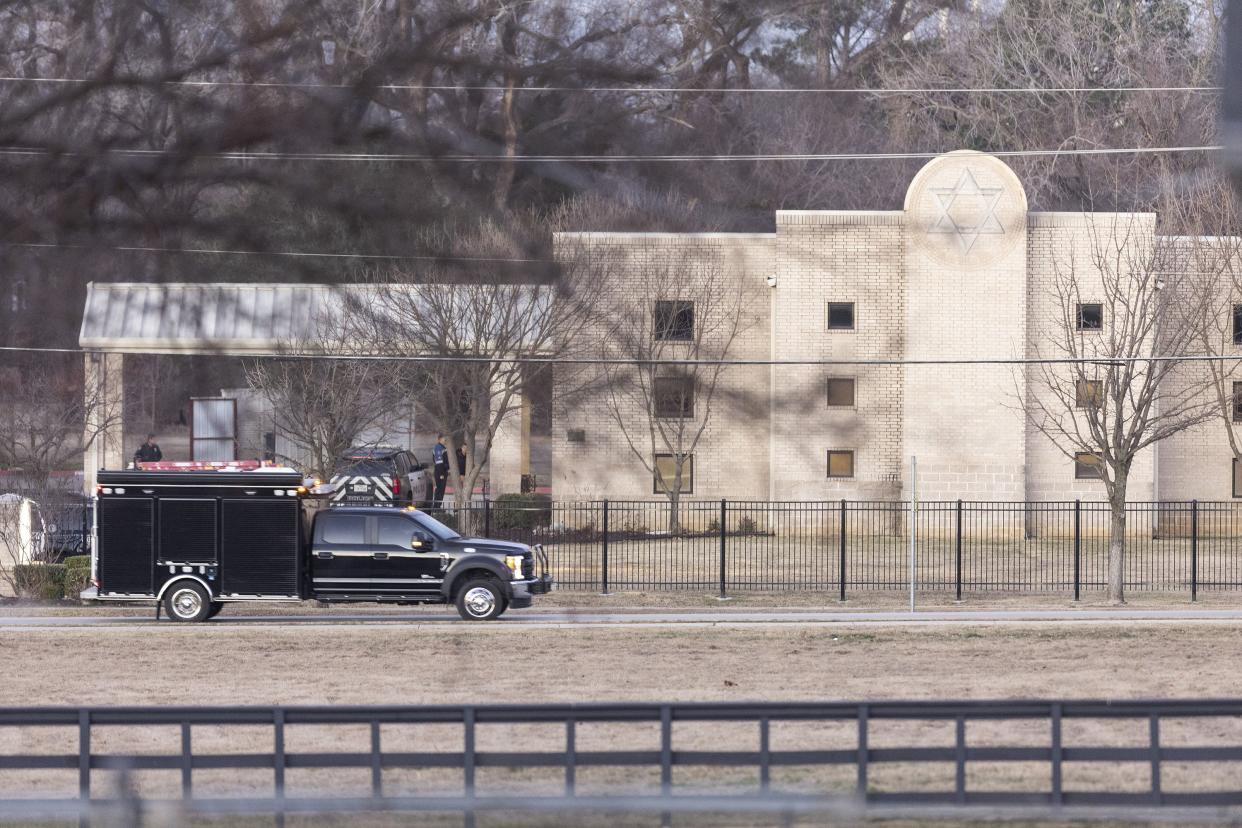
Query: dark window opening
[[1088, 393], [1090, 316], [674, 321], [1237, 402], [1087, 466], [840, 463], [666, 474], [1237, 478], [840, 392], [1237, 324], [840, 316], [673, 397]]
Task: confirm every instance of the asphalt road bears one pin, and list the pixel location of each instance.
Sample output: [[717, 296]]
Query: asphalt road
[[561, 618]]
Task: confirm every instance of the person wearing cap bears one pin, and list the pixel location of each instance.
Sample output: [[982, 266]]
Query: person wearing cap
[[148, 452]]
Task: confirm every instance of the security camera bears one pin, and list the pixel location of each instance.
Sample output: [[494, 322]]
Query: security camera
[[771, 280]]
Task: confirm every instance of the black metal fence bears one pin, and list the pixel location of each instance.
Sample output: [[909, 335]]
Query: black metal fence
[[663, 756], [843, 546]]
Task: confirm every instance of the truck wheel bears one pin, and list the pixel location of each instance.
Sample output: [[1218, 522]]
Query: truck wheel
[[187, 601], [481, 599]]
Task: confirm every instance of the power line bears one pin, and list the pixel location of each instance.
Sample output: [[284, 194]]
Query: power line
[[424, 157], [280, 253], [714, 90], [537, 360]]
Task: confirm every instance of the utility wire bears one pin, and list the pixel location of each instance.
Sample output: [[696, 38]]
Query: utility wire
[[715, 90], [282, 253], [403, 157], [536, 360]]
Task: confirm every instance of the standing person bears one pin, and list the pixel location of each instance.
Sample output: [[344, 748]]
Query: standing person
[[440, 462], [148, 452], [461, 459]]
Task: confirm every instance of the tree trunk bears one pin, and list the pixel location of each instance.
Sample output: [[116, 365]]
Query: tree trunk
[[1117, 548], [674, 509]]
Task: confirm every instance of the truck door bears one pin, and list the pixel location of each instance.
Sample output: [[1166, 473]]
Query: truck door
[[402, 565], [341, 561]]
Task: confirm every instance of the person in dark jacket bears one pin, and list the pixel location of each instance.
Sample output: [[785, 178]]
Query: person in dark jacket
[[440, 463], [148, 452], [461, 459]]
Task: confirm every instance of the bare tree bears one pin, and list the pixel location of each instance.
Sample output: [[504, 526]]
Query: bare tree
[[324, 402], [666, 345], [1122, 316]]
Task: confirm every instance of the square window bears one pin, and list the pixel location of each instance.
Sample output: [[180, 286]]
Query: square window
[[673, 397], [674, 321], [840, 316], [666, 474], [1237, 324], [1087, 466], [1237, 478], [840, 392], [840, 463], [1088, 393], [1090, 316]]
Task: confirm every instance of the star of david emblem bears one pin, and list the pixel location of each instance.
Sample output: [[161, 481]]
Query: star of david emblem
[[967, 211]]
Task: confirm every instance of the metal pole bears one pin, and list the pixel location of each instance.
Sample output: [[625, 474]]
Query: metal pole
[[604, 551], [722, 547], [841, 573], [914, 514], [958, 567], [487, 517], [1077, 549], [1194, 550]]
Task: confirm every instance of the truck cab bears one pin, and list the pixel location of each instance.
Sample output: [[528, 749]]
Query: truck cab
[[193, 541], [407, 556]]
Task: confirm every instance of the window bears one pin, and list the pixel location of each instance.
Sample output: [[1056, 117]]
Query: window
[[1087, 466], [1237, 324], [840, 463], [840, 392], [1237, 478], [395, 531], [345, 529], [673, 397], [674, 321], [1237, 402], [666, 471], [840, 316], [1090, 317], [1088, 393]]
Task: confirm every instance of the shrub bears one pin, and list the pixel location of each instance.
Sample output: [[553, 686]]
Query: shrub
[[747, 524], [42, 580], [77, 575], [521, 511]]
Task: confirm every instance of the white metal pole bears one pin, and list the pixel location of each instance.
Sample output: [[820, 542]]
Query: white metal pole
[[914, 514]]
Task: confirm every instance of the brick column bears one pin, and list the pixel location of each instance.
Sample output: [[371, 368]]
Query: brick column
[[103, 394]]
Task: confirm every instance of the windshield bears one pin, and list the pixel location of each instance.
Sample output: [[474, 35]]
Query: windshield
[[435, 527]]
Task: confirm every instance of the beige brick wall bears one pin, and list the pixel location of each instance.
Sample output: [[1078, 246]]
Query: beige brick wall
[[731, 456]]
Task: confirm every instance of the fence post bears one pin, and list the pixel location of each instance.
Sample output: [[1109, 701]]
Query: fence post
[[958, 564], [487, 517], [604, 560], [1194, 550], [1077, 548], [841, 572], [723, 505]]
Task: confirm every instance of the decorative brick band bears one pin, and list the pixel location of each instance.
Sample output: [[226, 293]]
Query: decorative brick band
[[886, 218], [1068, 219]]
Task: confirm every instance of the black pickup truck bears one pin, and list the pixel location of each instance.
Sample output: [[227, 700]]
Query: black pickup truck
[[193, 541]]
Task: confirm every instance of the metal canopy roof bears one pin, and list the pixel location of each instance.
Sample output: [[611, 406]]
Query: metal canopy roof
[[233, 318]]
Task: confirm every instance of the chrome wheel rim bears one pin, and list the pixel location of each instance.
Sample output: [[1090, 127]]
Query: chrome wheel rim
[[186, 603], [480, 601]]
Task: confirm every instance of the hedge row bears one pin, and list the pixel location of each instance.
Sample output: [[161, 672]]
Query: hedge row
[[53, 581]]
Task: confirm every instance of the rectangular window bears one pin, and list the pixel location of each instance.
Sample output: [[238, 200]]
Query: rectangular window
[[344, 529], [1087, 466], [673, 397], [1237, 478], [840, 463], [840, 392], [1237, 402], [1237, 324], [1090, 316], [1088, 393], [666, 474], [840, 316], [674, 321], [394, 531]]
